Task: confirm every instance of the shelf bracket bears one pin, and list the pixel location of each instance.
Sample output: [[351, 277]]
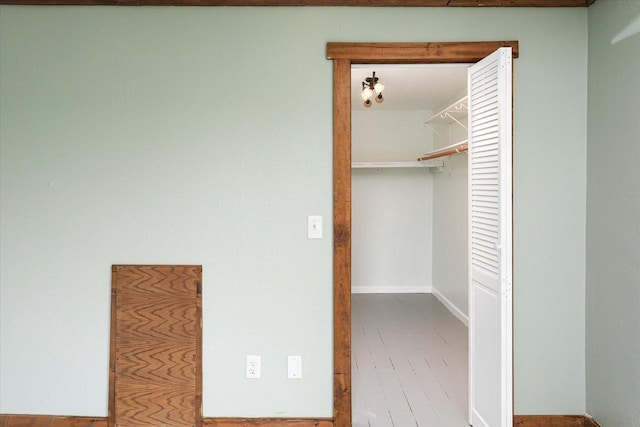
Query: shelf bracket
[[447, 114]]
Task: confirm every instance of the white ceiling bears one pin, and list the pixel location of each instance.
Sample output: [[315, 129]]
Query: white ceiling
[[411, 87]]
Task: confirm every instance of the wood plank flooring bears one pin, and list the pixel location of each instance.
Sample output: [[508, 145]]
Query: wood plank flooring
[[409, 362]]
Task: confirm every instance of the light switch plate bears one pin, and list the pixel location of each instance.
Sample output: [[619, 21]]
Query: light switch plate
[[294, 367], [314, 229]]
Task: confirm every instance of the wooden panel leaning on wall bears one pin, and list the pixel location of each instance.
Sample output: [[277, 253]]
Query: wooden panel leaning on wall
[[155, 375]]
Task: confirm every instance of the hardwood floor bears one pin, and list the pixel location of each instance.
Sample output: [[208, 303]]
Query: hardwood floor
[[409, 362]]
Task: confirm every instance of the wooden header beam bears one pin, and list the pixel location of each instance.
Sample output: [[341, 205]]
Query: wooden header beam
[[411, 53], [354, 3]]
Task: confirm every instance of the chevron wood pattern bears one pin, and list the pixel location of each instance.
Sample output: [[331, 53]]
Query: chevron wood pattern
[[156, 340]]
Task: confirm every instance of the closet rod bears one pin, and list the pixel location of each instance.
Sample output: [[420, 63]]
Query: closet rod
[[446, 151]]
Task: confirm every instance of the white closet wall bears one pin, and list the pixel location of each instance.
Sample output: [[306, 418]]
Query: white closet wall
[[389, 136], [450, 206], [391, 208], [391, 230], [450, 269], [409, 225]]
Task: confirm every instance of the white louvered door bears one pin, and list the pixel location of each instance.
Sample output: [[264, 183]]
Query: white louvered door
[[490, 241]]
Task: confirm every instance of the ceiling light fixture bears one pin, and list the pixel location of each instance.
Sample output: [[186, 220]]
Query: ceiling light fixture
[[371, 85]]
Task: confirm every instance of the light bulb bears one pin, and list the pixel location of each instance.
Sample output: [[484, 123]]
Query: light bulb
[[379, 87], [366, 93], [379, 98], [368, 103]]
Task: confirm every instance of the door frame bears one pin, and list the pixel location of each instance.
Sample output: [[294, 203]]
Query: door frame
[[343, 55]]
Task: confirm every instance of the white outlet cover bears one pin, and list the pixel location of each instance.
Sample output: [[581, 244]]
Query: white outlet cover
[[253, 366], [294, 367]]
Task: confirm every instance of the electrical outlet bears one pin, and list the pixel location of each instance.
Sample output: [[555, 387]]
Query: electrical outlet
[[253, 366]]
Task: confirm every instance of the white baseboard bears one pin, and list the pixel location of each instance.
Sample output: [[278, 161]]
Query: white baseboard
[[391, 290], [452, 308]]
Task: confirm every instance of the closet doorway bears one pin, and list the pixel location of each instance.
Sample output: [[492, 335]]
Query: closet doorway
[[409, 275], [490, 307]]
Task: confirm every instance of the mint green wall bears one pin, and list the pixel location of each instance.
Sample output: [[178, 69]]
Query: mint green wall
[[140, 135], [613, 214]]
